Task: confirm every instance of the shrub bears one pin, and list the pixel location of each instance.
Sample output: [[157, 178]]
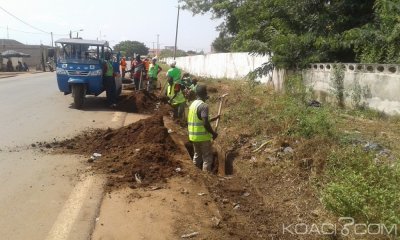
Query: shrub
[[356, 186], [337, 83]]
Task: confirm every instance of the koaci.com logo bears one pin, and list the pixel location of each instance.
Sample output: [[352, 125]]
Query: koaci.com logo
[[347, 227]]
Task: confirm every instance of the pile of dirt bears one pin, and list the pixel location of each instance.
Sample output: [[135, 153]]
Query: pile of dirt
[[139, 154], [138, 102]]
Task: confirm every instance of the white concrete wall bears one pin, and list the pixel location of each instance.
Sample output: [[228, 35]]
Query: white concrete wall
[[382, 81], [221, 65]]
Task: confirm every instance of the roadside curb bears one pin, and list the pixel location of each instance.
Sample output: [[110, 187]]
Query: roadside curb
[[15, 74]]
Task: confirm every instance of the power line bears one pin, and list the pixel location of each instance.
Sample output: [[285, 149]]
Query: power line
[[40, 30], [16, 30]]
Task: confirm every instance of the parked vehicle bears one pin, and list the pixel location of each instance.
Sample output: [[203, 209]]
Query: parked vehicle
[[79, 68]]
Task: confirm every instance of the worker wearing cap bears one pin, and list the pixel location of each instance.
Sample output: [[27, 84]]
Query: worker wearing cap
[[154, 70], [200, 130], [174, 72]]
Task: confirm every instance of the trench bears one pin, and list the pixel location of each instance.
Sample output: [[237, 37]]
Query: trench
[[229, 157]]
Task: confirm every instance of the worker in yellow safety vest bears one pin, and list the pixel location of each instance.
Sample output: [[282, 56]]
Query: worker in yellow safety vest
[[200, 130], [176, 98], [109, 81]]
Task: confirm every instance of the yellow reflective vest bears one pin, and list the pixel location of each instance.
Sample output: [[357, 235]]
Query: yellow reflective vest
[[171, 93], [110, 70], [197, 131]]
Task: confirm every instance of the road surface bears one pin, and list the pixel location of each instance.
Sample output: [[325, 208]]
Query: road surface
[[46, 196]]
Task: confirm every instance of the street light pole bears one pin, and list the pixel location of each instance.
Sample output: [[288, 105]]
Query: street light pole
[[158, 45], [176, 35]]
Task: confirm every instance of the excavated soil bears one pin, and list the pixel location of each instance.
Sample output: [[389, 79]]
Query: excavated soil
[[138, 102], [139, 154]]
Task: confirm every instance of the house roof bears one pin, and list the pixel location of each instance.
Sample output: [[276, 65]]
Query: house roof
[[82, 41], [9, 42]]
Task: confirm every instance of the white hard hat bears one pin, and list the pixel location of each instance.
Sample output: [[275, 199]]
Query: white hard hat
[[173, 63]]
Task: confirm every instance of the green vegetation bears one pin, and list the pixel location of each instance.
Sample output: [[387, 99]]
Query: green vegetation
[[351, 180], [132, 47], [337, 83], [273, 113], [363, 186], [303, 31], [222, 43], [166, 53]]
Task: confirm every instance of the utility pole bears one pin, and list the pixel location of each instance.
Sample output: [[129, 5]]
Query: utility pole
[[154, 50], [176, 35], [52, 43], [8, 36], [158, 44]]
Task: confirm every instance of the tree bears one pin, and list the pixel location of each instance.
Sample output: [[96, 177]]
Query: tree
[[132, 47], [296, 33], [166, 53], [219, 8], [378, 41], [222, 43]]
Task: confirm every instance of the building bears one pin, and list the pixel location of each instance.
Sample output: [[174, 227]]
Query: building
[[172, 48], [34, 62]]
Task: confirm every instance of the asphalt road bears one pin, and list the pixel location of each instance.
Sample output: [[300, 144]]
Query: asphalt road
[[46, 196]]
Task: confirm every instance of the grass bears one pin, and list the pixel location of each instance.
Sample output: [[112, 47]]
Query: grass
[[344, 179], [360, 185], [350, 181]]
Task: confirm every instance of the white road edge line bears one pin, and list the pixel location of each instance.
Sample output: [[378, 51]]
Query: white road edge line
[[66, 218], [116, 116]]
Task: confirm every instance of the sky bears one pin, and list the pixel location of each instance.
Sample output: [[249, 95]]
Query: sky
[[136, 20]]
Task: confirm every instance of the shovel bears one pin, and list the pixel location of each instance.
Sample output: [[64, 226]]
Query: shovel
[[140, 81], [219, 110], [223, 160]]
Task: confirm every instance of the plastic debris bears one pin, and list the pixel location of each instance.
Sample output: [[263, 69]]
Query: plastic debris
[[288, 150], [95, 156], [138, 178], [260, 147], [190, 235], [215, 221]]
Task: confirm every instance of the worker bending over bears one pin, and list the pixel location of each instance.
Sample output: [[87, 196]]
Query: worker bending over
[[176, 98]]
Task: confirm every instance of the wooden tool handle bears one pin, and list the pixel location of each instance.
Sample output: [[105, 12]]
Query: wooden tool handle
[[219, 112]]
